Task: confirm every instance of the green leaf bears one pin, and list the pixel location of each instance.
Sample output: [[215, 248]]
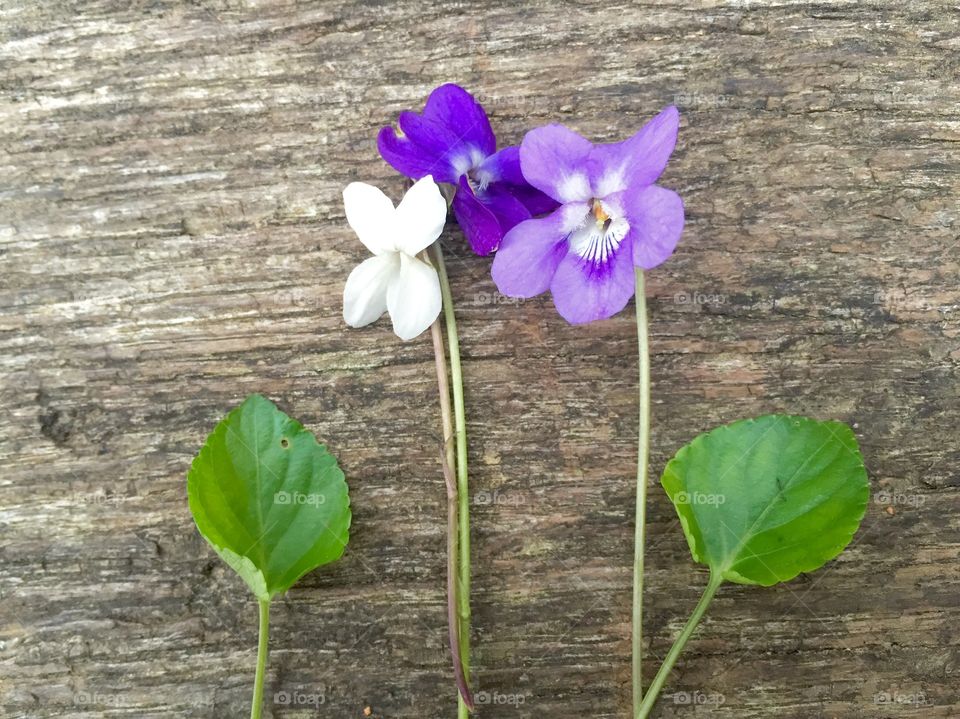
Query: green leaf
[[762, 500], [270, 500]]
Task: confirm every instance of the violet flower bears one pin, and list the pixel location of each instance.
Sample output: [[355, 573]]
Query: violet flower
[[452, 140], [612, 218]]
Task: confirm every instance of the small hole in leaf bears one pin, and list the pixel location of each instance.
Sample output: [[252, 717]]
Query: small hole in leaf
[[284, 442]]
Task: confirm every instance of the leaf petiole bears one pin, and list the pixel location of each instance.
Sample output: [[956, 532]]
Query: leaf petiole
[[650, 698], [262, 648]]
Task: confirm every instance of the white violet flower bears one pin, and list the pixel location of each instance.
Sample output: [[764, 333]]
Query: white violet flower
[[394, 280]]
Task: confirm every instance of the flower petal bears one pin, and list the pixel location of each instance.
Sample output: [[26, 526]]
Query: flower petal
[[452, 106], [529, 253], [502, 171], [536, 202], [585, 291], [499, 198], [553, 159], [479, 224], [365, 294], [370, 214], [428, 134], [413, 297], [420, 216], [452, 136], [502, 166], [637, 161], [655, 215], [411, 159], [437, 145]]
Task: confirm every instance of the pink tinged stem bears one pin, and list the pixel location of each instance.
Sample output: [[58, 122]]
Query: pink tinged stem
[[447, 461]]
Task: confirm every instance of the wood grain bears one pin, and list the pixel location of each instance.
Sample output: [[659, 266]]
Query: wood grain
[[172, 239]]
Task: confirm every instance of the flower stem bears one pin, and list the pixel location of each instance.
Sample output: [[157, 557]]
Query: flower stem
[[463, 489], [643, 454], [658, 681], [257, 705], [447, 461]]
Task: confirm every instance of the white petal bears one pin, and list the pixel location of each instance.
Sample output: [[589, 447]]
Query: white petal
[[371, 215], [421, 215], [413, 297], [365, 294]]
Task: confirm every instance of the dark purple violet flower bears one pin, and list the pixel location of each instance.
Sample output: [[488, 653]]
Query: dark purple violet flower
[[452, 140], [611, 218]]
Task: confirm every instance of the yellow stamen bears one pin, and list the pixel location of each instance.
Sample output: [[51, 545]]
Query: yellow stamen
[[600, 213]]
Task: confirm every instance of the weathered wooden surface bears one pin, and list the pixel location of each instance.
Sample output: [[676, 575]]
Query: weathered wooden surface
[[172, 238]]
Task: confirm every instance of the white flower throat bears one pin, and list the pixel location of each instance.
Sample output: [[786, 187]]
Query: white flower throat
[[600, 235]]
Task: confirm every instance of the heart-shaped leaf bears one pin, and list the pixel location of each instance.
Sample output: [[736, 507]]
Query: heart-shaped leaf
[[762, 500], [268, 497]]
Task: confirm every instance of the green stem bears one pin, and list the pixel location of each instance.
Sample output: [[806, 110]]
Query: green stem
[[658, 681], [463, 489], [257, 704], [643, 454]]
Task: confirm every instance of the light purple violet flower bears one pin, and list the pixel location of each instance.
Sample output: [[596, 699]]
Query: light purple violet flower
[[612, 218], [452, 140]]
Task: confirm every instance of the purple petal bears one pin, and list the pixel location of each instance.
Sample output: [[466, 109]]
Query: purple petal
[[502, 166], [585, 291], [536, 202], [655, 215], [451, 137], [429, 134], [530, 252], [509, 210], [478, 222], [453, 155], [553, 159], [437, 141], [635, 162], [455, 108], [413, 160]]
